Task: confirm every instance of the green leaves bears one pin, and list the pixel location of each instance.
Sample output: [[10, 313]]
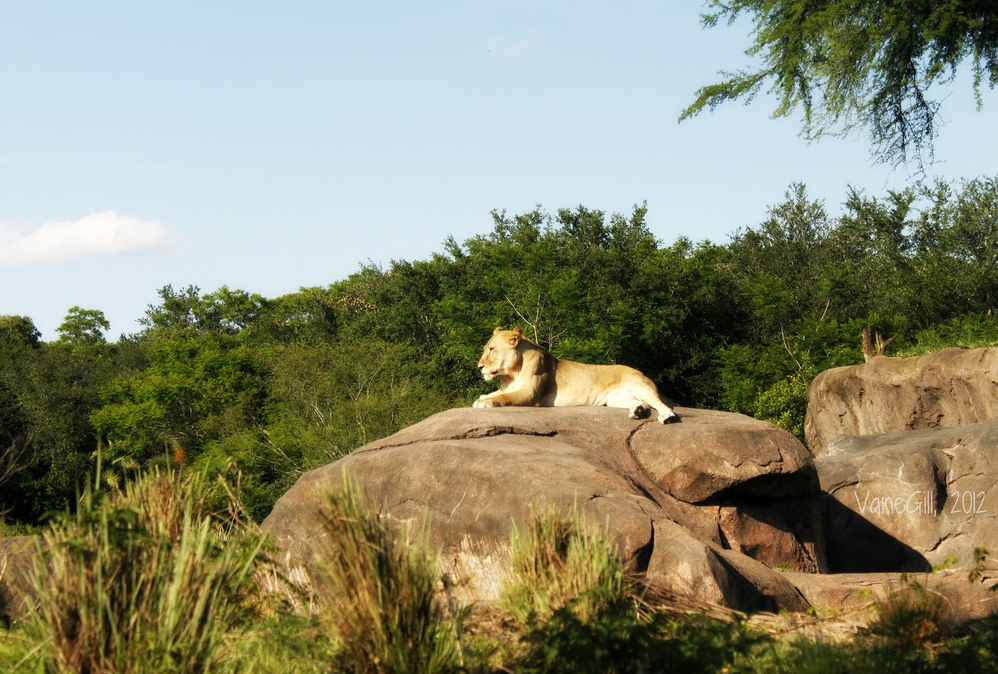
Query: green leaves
[[859, 65], [83, 327], [328, 399], [194, 386], [18, 331], [224, 311], [228, 381]]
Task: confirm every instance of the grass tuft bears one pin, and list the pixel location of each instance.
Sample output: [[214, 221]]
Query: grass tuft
[[145, 581], [556, 561], [912, 614], [381, 596]]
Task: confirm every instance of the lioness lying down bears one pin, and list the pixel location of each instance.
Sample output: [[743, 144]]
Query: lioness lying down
[[529, 376]]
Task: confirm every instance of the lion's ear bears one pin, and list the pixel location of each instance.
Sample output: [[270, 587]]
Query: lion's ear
[[497, 330], [514, 338]]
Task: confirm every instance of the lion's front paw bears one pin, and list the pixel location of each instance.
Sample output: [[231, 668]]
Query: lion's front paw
[[483, 402]]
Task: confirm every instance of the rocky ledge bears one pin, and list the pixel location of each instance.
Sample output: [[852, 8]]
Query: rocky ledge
[[707, 507], [719, 508], [942, 389]]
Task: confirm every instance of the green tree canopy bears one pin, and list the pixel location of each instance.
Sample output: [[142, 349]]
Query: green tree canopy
[[18, 331], [867, 65], [83, 326], [224, 311]]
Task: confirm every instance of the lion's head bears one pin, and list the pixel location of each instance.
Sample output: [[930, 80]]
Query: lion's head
[[500, 355]]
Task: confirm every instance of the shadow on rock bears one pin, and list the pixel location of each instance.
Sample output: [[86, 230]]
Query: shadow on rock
[[853, 544]]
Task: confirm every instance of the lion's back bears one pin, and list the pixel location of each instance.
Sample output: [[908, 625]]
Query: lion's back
[[584, 384]]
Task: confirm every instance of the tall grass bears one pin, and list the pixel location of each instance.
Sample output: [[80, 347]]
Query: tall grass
[[912, 614], [381, 595], [147, 581], [13, 646], [969, 332], [556, 561]]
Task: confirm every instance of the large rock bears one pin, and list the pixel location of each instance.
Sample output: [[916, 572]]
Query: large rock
[[947, 388], [473, 472], [684, 565], [854, 597], [911, 500], [716, 451]]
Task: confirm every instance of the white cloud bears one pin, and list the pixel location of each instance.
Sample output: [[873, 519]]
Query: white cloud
[[516, 48], [99, 234]]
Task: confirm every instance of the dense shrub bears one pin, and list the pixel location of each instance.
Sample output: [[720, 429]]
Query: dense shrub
[[145, 581]]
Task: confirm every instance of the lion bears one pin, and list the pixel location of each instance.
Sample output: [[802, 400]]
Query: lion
[[531, 377]]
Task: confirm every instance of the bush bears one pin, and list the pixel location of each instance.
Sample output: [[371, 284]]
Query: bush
[[557, 561], [145, 581], [969, 332], [617, 639], [784, 404], [381, 596]]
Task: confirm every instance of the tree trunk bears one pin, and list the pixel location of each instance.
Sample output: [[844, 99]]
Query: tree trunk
[[874, 343]]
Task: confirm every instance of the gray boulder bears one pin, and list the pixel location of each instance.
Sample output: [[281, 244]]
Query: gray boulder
[[910, 500], [712, 452], [942, 389], [474, 472]]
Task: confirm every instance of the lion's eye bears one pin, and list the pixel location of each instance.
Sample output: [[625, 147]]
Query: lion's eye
[[491, 349]]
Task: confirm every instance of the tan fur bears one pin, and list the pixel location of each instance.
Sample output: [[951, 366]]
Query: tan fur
[[529, 376]]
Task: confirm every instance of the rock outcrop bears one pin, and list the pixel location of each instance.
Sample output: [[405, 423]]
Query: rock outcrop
[[852, 596], [716, 452], [706, 507], [947, 388], [911, 500], [907, 461]]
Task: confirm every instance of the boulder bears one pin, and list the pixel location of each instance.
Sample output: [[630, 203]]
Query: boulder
[[778, 532], [908, 501], [711, 452], [683, 565], [854, 597], [473, 472], [947, 388]]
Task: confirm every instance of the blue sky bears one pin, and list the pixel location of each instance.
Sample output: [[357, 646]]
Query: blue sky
[[270, 146]]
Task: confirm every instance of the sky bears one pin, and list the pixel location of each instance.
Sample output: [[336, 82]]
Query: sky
[[270, 146]]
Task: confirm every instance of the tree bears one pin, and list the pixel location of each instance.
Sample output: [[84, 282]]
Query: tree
[[869, 64], [15, 440], [49, 394], [198, 386], [224, 311], [19, 331], [83, 326]]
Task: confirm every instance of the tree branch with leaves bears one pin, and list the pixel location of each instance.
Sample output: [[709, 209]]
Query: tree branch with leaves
[[851, 65]]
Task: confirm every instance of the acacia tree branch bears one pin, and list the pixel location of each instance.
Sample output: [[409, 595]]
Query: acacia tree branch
[[818, 327], [12, 458], [786, 346], [523, 318]]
